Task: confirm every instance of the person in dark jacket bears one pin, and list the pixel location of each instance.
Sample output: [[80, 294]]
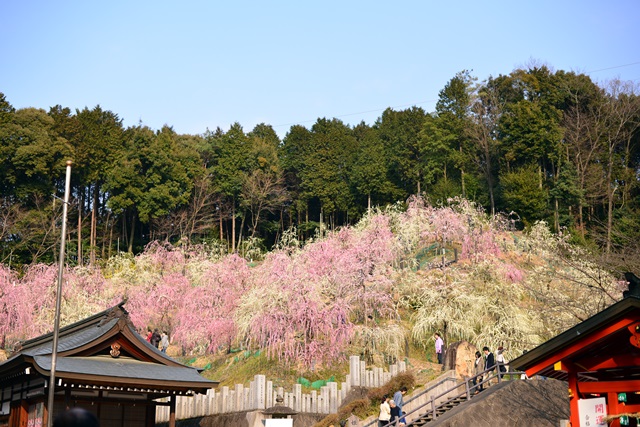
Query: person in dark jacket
[[489, 363], [155, 338], [395, 411]]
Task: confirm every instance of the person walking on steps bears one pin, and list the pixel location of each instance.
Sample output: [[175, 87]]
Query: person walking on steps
[[399, 401], [489, 363], [385, 412], [478, 369], [500, 361]]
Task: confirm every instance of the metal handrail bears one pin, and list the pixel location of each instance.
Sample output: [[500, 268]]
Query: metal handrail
[[490, 374], [442, 381]]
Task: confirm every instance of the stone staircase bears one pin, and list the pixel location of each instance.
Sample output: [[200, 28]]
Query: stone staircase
[[455, 397], [536, 402], [439, 411]]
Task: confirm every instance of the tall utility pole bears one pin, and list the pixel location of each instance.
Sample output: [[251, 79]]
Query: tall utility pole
[[56, 320]]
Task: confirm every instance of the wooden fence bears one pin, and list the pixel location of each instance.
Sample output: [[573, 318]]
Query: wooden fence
[[260, 394]]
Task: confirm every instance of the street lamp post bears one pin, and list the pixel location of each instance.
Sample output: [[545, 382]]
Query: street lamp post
[[56, 320]]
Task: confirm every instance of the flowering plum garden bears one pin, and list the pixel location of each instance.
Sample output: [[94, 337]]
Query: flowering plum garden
[[354, 290]]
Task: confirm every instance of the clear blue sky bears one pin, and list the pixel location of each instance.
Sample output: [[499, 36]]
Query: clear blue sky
[[204, 64]]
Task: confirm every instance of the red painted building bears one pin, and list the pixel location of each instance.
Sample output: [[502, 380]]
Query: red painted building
[[600, 361]]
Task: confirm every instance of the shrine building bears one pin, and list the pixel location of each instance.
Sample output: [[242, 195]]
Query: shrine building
[[102, 365]]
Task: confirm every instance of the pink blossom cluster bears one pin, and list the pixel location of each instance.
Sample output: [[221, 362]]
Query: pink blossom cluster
[[298, 305]]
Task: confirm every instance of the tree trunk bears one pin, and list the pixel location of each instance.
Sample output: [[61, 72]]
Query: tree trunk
[[539, 176], [80, 201], [220, 221], [610, 191], [556, 209], [94, 227], [464, 192], [53, 227], [132, 234], [581, 218], [109, 227], [233, 225], [242, 228], [300, 236]]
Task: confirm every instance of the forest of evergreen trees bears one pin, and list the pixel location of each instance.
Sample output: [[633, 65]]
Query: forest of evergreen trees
[[535, 144]]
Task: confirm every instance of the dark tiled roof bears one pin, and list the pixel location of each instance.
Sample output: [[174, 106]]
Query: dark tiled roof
[[70, 341], [122, 367], [97, 319]]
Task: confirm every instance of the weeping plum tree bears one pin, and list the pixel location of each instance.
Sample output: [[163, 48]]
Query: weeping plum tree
[[303, 305], [205, 319], [288, 315], [157, 304], [7, 306], [27, 303]]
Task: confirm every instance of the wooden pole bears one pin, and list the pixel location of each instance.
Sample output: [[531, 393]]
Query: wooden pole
[[172, 411]]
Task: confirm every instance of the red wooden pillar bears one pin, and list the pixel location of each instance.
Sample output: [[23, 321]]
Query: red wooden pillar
[[573, 399], [19, 415]]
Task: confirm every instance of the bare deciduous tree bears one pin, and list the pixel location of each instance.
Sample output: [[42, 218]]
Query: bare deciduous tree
[[262, 191], [196, 219], [481, 131]]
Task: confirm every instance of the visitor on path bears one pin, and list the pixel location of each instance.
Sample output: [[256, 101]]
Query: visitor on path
[[385, 412], [478, 369], [439, 345], [164, 342], [149, 334], [399, 401], [155, 338], [395, 412], [489, 363], [500, 361]]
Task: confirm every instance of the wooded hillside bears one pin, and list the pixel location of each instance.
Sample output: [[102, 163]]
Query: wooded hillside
[[537, 143]]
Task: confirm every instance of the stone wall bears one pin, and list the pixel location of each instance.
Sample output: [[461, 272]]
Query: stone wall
[[540, 403]]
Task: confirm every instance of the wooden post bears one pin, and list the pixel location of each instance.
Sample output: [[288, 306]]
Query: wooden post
[[433, 407], [172, 411], [466, 385]]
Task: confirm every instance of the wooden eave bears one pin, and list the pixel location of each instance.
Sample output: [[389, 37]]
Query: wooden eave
[[598, 349], [130, 342]]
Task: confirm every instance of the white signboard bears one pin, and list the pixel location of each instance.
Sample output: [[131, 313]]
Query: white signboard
[[592, 412], [278, 422]]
